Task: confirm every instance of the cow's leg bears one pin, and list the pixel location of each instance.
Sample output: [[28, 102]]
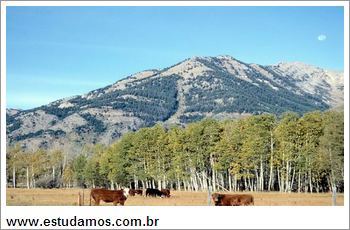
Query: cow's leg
[[97, 201]]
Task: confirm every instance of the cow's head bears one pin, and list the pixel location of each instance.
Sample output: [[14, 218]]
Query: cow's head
[[217, 197], [126, 191]]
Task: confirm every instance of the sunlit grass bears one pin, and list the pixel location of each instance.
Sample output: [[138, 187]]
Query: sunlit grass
[[69, 197]]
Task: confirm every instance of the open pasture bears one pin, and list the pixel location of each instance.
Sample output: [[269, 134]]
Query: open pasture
[[69, 197]]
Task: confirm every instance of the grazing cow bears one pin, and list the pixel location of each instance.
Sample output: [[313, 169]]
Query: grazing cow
[[153, 192], [115, 196], [138, 191], [133, 192], [166, 192], [232, 199]]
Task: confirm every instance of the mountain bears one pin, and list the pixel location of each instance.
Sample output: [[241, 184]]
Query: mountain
[[219, 87]]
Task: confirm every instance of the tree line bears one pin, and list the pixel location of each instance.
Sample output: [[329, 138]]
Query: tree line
[[289, 153]]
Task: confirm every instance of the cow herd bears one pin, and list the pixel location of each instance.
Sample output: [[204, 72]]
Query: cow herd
[[120, 196]]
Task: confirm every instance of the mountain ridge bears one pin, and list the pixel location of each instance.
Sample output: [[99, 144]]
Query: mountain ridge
[[219, 87]]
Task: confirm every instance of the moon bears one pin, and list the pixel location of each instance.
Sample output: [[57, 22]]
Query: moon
[[321, 37]]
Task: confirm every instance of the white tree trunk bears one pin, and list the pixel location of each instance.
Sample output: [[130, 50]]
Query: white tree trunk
[[271, 163], [257, 178], [287, 177], [14, 176], [235, 183], [199, 181], [112, 184], [205, 181], [292, 181], [299, 181], [178, 184], [222, 180], [136, 183], [279, 180], [305, 181], [28, 178], [229, 181], [310, 180], [213, 173], [195, 184], [53, 172], [164, 181], [261, 175]]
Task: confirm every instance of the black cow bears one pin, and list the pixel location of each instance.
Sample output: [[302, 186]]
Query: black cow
[[153, 192]]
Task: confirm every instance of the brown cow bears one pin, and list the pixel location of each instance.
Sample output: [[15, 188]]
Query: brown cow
[[138, 191], [132, 192], [166, 192], [115, 196], [232, 199]]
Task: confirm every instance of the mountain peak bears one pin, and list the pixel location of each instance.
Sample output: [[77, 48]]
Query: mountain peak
[[189, 68], [225, 56], [221, 56]]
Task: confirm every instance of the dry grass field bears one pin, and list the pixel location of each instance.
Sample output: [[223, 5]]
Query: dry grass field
[[69, 197]]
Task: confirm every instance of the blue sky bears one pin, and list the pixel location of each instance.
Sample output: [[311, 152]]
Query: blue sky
[[56, 52]]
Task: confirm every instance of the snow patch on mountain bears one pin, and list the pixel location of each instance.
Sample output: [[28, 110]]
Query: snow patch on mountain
[[314, 80], [188, 69], [69, 123], [235, 67], [120, 85], [65, 104]]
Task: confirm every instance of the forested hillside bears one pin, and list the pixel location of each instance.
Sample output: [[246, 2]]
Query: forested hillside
[[256, 153], [219, 87]]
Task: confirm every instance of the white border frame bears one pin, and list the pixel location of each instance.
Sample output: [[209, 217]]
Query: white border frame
[[276, 217]]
